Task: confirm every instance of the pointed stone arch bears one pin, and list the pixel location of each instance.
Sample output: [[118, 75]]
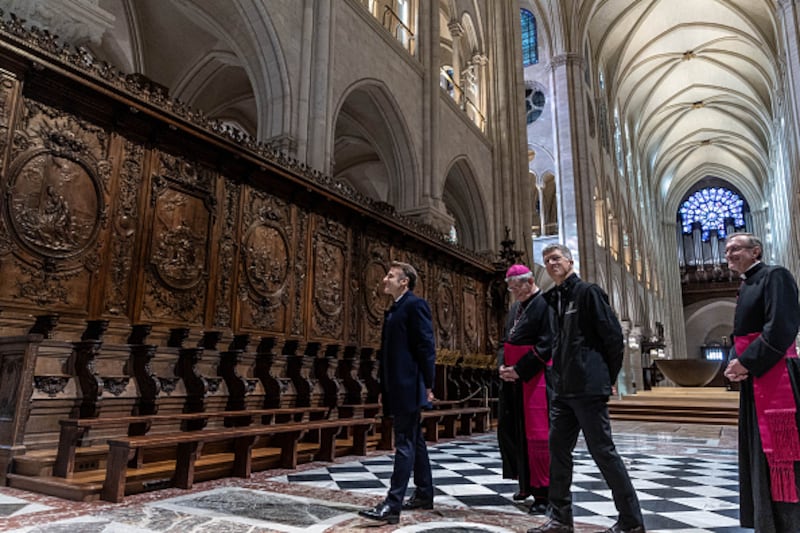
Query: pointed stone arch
[[372, 146], [464, 201], [233, 41]]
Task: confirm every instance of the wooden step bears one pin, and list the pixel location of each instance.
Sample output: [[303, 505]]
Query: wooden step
[[684, 405]]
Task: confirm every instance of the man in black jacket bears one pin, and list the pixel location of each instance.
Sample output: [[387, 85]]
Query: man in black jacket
[[587, 356]]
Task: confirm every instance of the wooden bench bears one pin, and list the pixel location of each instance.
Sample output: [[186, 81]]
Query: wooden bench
[[73, 430], [448, 418], [188, 443]]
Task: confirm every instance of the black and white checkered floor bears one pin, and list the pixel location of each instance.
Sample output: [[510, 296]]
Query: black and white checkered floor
[[695, 492]]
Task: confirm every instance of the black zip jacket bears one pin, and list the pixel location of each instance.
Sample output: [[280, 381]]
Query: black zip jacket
[[588, 345]]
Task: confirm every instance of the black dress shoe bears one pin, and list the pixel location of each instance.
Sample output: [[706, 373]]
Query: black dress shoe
[[417, 502], [553, 526], [381, 512], [617, 529], [519, 496], [538, 507]]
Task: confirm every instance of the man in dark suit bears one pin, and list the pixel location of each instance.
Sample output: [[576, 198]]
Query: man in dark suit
[[407, 362]]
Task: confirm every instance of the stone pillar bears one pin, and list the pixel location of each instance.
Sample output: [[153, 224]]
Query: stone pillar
[[788, 15], [429, 207], [480, 61], [576, 224], [789, 21], [624, 379], [671, 287], [760, 220], [512, 206], [456, 31], [314, 128]]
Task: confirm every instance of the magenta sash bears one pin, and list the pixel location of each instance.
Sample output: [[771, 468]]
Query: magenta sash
[[777, 425], [537, 422]]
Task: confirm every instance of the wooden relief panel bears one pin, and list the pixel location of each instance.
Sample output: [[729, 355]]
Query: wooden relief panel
[[265, 268], [9, 91], [182, 211], [300, 272], [227, 256], [124, 229], [374, 300], [54, 209], [473, 325], [330, 272], [444, 311]]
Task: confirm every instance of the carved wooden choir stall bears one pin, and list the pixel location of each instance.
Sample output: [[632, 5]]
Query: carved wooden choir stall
[[179, 302]]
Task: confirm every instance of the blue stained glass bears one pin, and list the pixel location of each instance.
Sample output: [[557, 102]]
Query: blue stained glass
[[711, 207], [530, 50]]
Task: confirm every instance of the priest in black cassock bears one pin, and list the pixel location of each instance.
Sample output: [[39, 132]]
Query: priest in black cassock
[[765, 363], [523, 360]]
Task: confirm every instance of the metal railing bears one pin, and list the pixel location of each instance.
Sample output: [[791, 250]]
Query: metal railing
[[398, 29], [463, 101]]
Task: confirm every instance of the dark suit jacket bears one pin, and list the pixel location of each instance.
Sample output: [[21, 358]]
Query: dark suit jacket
[[408, 355]]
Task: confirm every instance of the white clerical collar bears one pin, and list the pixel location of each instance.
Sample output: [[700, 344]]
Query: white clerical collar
[[743, 275]]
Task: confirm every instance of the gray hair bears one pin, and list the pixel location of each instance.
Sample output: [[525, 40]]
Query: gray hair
[[408, 271], [560, 247], [752, 241]]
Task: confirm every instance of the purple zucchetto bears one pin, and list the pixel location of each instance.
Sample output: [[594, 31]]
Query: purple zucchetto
[[517, 270]]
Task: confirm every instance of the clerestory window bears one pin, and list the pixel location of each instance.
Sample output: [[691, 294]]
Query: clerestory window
[[530, 49]]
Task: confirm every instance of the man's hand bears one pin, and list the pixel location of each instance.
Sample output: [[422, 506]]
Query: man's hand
[[736, 371], [508, 373], [430, 395]]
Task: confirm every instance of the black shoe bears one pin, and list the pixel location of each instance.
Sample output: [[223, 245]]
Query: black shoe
[[381, 512], [417, 502], [553, 526], [538, 507], [617, 529], [519, 496]]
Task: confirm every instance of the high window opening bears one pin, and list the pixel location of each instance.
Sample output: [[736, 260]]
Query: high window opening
[[714, 208], [530, 49]]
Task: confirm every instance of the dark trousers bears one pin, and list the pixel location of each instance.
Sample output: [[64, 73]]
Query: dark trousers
[[410, 455], [567, 417]]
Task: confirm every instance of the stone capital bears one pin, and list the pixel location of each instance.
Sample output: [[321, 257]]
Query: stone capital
[[480, 60], [568, 59], [456, 29]]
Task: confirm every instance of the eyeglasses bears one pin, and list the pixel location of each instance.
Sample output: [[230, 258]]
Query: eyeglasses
[[553, 259], [737, 248]]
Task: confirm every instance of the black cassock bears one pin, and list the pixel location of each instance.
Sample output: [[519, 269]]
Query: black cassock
[[767, 303], [528, 323]]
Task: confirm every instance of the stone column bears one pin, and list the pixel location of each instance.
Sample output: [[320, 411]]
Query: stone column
[[456, 31], [428, 205], [789, 21], [314, 127], [788, 14], [481, 61], [671, 286], [574, 178], [512, 205], [760, 220]]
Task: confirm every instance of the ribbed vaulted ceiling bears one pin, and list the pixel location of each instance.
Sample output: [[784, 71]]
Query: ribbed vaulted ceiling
[[694, 81]]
